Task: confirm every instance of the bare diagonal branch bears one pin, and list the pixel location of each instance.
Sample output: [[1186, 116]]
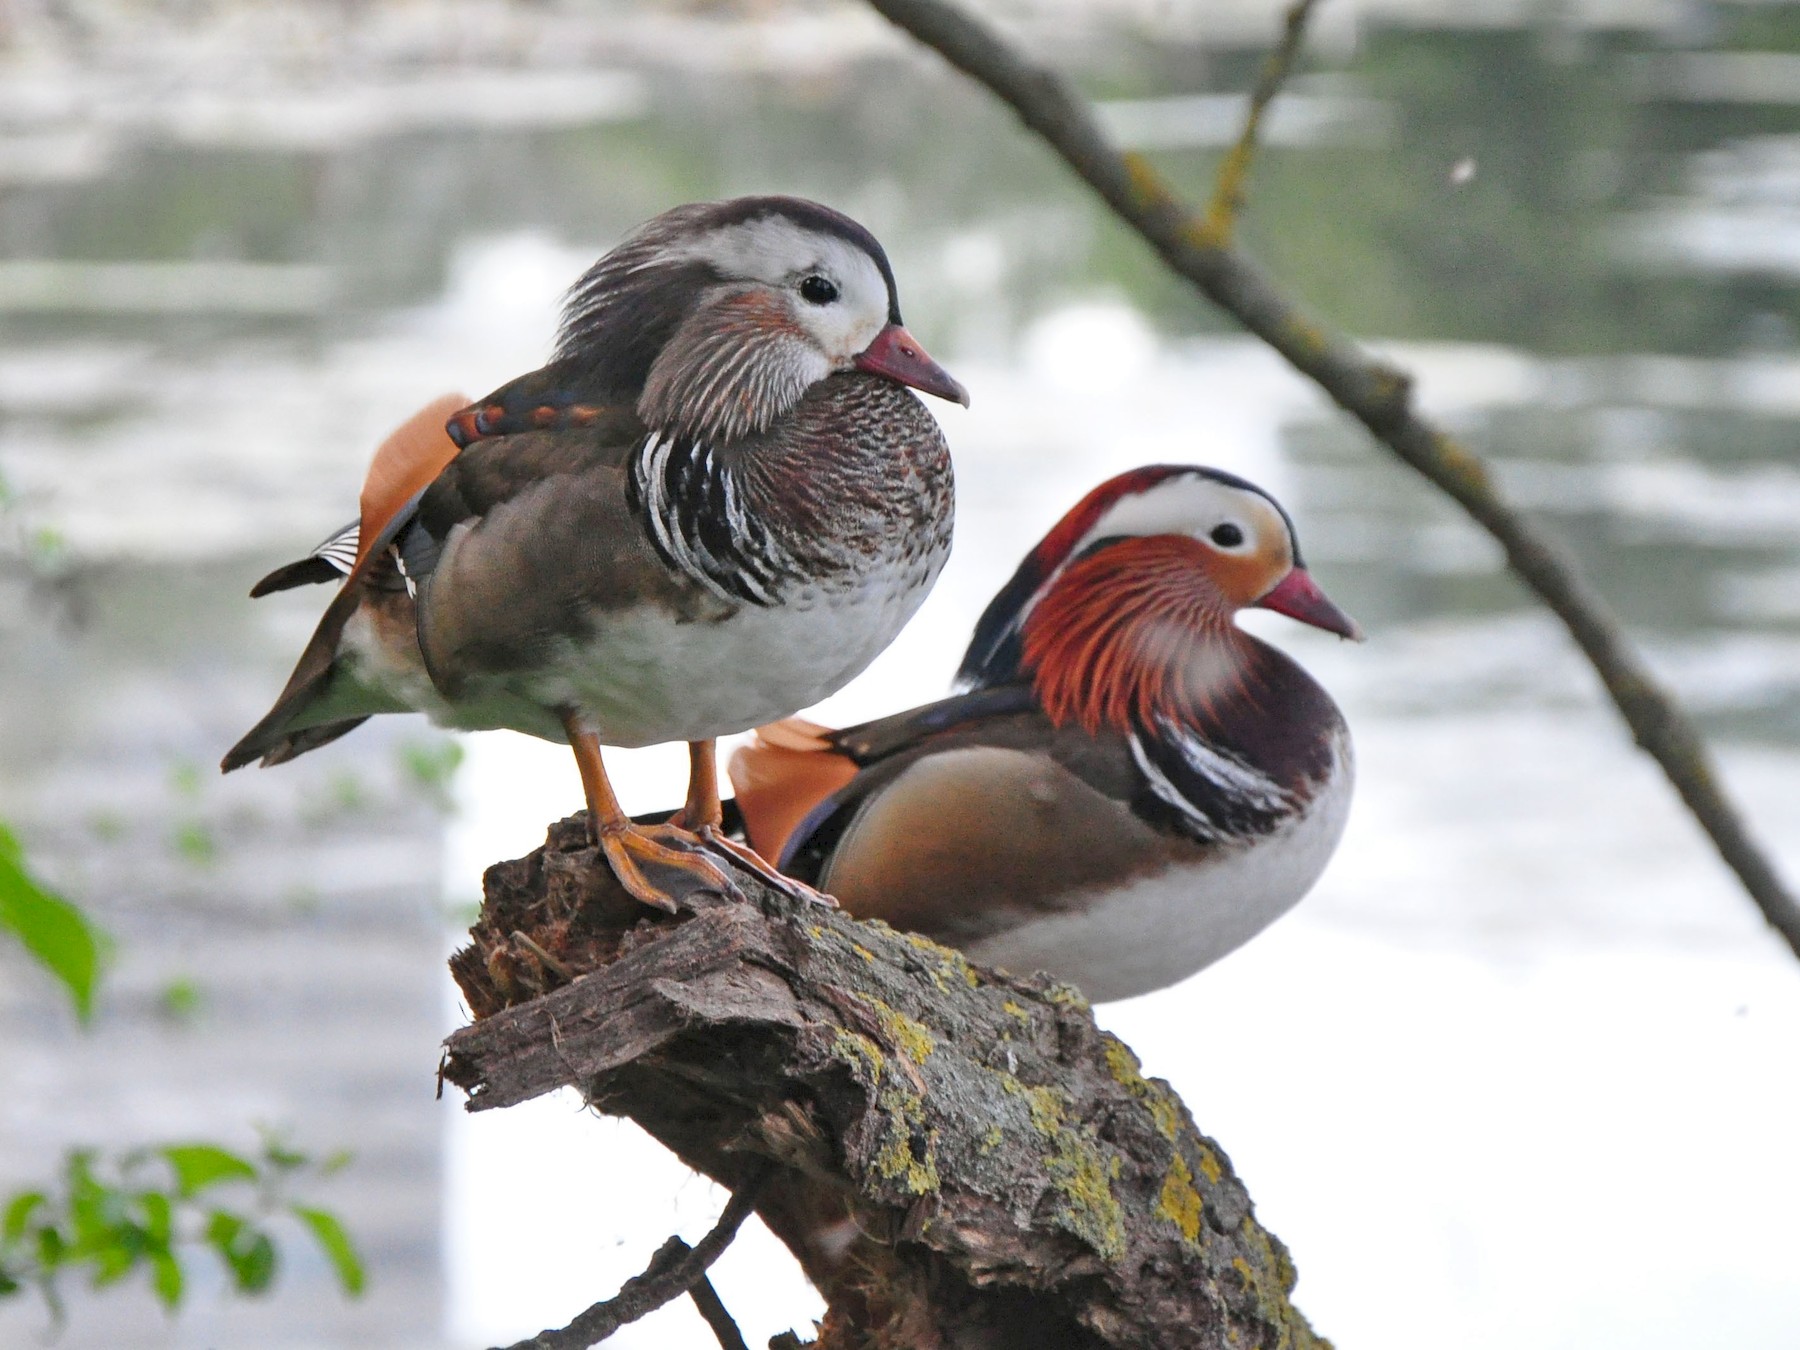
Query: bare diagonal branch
[[1376, 394]]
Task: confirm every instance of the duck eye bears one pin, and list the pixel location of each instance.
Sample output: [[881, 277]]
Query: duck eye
[[1227, 535], [818, 290]]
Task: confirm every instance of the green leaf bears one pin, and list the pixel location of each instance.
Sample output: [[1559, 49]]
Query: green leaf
[[166, 1279], [248, 1254], [95, 1209], [430, 767], [113, 1259], [329, 1233], [195, 842], [186, 779], [8, 1283], [51, 1249], [222, 1229], [198, 1166], [54, 931], [159, 1219], [18, 1214], [254, 1264], [180, 1000], [280, 1157]]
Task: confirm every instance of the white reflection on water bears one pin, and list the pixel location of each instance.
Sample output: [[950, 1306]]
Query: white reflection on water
[[1516, 1074], [286, 425]]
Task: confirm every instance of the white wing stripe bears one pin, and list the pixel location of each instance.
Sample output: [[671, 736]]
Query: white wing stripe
[[1250, 785], [1169, 793], [340, 549]]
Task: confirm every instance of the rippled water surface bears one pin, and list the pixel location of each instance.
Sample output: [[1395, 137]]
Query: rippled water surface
[[1519, 1073]]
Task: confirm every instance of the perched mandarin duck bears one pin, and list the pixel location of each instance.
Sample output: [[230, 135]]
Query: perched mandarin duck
[[716, 505], [1128, 785]]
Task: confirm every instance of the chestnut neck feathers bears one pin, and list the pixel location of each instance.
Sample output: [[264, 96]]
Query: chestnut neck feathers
[[1134, 634], [1134, 640]]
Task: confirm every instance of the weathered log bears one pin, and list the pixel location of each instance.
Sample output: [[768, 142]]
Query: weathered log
[[961, 1157]]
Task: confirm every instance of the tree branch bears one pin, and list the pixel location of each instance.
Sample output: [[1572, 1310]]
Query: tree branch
[[1379, 396], [958, 1159], [1232, 185], [714, 1313], [676, 1269]]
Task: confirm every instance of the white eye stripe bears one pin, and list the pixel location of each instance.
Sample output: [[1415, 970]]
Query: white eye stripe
[[1175, 506], [778, 252]]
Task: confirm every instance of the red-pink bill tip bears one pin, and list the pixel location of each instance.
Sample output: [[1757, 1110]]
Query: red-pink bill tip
[[1299, 597], [897, 354]]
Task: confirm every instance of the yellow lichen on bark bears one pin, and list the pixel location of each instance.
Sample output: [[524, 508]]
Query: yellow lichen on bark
[[1179, 1202]]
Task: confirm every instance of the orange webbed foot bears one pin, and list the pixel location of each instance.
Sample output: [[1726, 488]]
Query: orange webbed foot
[[672, 855], [716, 839], [701, 818]]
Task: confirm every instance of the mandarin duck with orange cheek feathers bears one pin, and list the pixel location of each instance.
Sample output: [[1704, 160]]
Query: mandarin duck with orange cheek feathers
[[716, 505], [1128, 787]]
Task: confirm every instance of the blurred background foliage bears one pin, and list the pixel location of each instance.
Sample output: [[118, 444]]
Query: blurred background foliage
[[150, 1208]]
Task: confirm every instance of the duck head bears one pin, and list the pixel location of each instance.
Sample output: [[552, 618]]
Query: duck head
[[717, 317], [1126, 610]]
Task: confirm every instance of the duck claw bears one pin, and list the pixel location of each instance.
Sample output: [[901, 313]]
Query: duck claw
[[630, 851], [711, 836]]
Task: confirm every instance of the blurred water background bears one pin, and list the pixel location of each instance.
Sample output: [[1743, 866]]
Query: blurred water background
[[1520, 1073]]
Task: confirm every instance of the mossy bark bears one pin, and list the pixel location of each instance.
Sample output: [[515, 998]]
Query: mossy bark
[[964, 1159]]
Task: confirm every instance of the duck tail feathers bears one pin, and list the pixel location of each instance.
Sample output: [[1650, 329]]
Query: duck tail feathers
[[781, 775]]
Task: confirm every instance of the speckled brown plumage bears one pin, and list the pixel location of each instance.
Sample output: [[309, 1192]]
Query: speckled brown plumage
[[716, 504]]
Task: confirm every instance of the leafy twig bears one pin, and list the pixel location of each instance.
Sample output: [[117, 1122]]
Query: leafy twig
[[673, 1271], [1376, 394], [151, 1208]]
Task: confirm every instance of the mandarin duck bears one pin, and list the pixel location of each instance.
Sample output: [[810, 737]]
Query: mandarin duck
[[1127, 785], [714, 506]]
